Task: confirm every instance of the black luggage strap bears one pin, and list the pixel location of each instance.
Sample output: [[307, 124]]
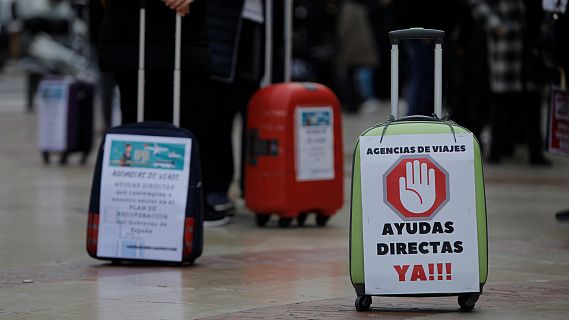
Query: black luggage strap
[[260, 147], [434, 117], [450, 124], [386, 124]]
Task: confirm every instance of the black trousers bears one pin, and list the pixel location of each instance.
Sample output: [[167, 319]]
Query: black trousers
[[231, 98], [196, 113], [516, 118]]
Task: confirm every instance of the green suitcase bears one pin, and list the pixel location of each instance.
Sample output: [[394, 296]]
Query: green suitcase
[[428, 234]]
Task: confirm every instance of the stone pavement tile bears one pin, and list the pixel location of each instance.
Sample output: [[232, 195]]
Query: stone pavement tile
[[508, 301]]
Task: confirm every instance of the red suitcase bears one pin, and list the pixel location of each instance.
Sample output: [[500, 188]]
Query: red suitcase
[[294, 149]]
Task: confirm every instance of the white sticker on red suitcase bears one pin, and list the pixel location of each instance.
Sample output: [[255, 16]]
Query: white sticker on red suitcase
[[419, 214], [144, 188], [314, 135]]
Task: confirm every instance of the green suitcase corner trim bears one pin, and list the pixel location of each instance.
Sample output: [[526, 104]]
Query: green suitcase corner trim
[[356, 232]]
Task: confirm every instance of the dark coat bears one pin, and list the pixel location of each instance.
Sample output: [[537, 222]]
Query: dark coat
[[512, 69], [224, 25], [118, 50], [437, 14], [355, 36]]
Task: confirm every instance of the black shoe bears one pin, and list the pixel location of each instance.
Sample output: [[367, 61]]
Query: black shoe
[[562, 215], [219, 202], [214, 219], [539, 161], [494, 159]]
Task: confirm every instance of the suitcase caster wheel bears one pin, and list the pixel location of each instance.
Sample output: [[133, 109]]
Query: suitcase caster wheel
[[262, 219], [284, 222], [468, 301], [321, 220], [84, 157], [301, 219], [363, 303], [45, 157], [63, 159]]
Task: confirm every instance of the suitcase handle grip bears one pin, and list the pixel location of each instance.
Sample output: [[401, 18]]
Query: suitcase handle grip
[[288, 21], [418, 117], [259, 147], [416, 33]]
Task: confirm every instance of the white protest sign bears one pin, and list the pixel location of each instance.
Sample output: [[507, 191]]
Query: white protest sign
[[52, 114], [314, 135], [144, 187], [419, 214]]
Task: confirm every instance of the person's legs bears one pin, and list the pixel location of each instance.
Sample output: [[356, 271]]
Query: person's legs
[[243, 90], [224, 105], [420, 93], [365, 79], [198, 117], [158, 91], [158, 101], [107, 83], [530, 102], [127, 83], [347, 89], [364, 76], [501, 114], [228, 99]]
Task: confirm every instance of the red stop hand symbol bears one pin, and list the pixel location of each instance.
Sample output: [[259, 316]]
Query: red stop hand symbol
[[417, 190], [416, 187]]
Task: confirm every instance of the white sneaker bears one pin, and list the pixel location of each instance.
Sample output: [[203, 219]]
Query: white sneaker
[[216, 223]]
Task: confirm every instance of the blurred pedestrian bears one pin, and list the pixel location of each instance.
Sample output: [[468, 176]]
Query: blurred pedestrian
[[515, 67], [107, 81], [314, 51], [236, 36], [382, 17], [52, 17], [439, 15], [468, 86], [357, 55], [118, 53], [556, 33]]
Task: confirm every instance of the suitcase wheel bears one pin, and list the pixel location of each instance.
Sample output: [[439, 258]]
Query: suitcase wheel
[[321, 220], [84, 157], [45, 157], [63, 159], [262, 219], [363, 303], [284, 222], [467, 301], [301, 219]]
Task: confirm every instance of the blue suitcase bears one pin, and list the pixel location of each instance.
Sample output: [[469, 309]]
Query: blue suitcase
[[65, 117]]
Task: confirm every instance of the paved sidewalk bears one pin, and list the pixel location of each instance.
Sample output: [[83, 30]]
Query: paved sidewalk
[[248, 272]]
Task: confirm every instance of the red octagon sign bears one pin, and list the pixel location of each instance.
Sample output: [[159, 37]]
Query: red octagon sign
[[416, 187]]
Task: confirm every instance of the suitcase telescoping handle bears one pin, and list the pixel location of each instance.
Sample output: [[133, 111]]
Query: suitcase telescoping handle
[[141, 66], [267, 77], [288, 6], [416, 33], [268, 74]]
